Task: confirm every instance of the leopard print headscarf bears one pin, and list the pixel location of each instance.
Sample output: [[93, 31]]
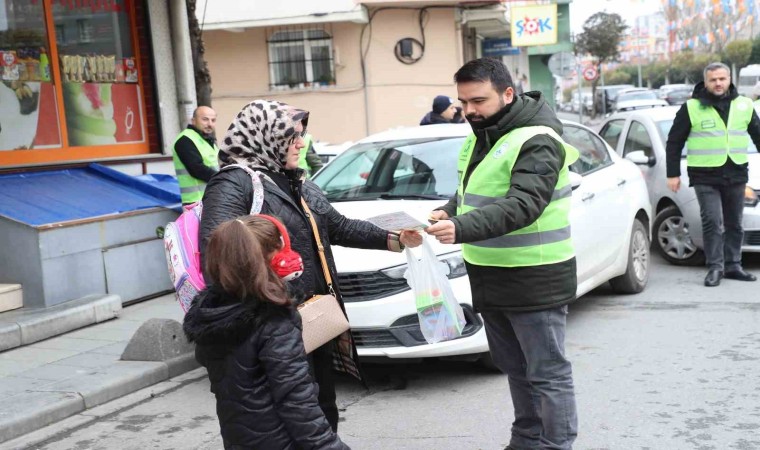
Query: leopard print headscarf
[[260, 135]]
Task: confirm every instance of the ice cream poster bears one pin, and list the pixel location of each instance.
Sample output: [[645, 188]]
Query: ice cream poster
[[103, 113], [28, 115]]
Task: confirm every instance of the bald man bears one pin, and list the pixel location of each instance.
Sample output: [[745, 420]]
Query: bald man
[[195, 155]]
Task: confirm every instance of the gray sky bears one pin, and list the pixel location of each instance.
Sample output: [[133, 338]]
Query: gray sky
[[580, 10]]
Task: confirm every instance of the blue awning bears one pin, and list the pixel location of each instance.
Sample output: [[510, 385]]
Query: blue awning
[[48, 197]]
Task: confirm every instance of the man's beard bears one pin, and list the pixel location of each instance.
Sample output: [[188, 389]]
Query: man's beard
[[478, 118]]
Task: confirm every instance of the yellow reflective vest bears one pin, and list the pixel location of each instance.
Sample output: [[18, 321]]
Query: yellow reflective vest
[[545, 241], [711, 142], [191, 189]]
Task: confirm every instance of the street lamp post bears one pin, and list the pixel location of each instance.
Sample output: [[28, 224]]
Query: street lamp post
[[638, 48]]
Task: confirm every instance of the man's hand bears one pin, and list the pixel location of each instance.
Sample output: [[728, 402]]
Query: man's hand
[[437, 215], [410, 238], [674, 183], [443, 230]]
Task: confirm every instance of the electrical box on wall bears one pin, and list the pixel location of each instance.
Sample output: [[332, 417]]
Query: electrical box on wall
[[406, 47]]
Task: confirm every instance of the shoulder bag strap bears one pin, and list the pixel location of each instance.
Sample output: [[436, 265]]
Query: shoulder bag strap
[[320, 247]]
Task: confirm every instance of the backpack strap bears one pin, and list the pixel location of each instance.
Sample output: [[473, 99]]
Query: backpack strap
[[258, 188]]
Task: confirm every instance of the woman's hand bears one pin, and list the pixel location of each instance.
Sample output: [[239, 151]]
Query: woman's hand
[[410, 238]]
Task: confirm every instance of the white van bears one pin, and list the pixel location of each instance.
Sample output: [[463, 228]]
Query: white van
[[749, 81]]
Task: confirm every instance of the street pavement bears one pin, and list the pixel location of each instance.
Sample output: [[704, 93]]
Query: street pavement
[[674, 367]]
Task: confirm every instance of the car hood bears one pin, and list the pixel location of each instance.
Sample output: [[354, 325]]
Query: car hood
[[639, 103], [358, 260]]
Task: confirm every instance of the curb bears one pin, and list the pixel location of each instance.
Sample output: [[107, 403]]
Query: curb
[[34, 409]]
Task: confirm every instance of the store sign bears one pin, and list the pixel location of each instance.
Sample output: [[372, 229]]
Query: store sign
[[534, 25], [499, 47]]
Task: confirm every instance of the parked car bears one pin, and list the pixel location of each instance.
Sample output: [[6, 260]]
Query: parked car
[[636, 98], [415, 170], [575, 105], [604, 96], [749, 81], [678, 96], [327, 152], [662, 92], [640, 136]]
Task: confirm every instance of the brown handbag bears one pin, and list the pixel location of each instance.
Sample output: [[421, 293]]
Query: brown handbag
[[321, 316]]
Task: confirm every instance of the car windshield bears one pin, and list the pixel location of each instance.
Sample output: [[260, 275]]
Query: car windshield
[[410, 169], [643, 95]]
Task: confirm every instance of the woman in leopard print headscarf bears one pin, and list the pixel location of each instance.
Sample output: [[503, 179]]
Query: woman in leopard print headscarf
[[267, 136]]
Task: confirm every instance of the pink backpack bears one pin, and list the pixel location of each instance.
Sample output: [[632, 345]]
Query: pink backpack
[[182, 244]]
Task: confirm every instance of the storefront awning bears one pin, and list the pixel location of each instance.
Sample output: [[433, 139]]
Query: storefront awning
[[236, 16], [55, 196]]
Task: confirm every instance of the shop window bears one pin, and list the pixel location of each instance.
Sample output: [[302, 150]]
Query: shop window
[[300, 59], [28, 105], [98, 70]]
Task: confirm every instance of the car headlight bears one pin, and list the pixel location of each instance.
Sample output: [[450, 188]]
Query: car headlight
[[452, 266], [750, 197]]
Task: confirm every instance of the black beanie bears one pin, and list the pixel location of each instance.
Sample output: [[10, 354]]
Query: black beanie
[[441, 103]]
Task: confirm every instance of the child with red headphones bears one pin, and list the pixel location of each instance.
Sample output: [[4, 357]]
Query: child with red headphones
[[248, 336]]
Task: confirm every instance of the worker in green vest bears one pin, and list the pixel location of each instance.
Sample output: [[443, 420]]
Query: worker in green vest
[[511, 215], [308, 159], [195, 155], [716, 125]]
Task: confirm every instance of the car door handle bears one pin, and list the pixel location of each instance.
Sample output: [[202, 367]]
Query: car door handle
[[621, 182], [587, 196]]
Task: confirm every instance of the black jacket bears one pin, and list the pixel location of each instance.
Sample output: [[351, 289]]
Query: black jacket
[[265, 396], [433, 118], [730, 172], [533, 179], [191, 157]]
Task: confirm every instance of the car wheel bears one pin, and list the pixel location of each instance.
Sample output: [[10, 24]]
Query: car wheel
[[636, 275], [672, 239]]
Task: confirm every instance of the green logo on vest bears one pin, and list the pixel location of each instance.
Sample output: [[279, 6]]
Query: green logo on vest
[[500, 151]]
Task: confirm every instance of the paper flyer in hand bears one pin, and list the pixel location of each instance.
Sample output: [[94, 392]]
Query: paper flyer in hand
[[397, 221]]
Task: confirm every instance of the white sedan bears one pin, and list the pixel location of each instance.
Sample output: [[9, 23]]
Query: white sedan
[[415, 170]]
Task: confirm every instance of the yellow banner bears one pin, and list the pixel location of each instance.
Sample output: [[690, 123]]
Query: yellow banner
[[534, 25]]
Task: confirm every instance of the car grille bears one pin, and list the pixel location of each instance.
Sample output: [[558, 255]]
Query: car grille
[[364, 286], [752, 238], [405, 332]]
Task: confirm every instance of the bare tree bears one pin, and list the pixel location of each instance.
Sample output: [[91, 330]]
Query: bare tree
[[202, 74]]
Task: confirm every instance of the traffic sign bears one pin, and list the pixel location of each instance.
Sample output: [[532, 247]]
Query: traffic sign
[[562, 64], [590, 73]]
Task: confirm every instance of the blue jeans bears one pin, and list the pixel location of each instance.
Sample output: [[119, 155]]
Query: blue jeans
[[721, 209], [530, 348]]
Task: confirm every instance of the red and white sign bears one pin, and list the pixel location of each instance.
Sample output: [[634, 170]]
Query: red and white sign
[[590, 73]]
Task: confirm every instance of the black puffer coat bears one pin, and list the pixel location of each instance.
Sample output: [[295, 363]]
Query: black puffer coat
[[229, 195], [265, 396]]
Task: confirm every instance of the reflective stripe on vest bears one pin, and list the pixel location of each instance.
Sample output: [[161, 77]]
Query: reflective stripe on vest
[[191, 189], [711, 142], [302, 163], [545, 241]]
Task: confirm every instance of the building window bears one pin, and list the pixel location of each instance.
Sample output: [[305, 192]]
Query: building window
[[300, 59]]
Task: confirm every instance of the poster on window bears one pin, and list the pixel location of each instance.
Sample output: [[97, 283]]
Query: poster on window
[[28, 115], [103, 113]]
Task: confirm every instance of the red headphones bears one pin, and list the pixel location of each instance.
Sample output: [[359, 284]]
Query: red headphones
[[286, 263]]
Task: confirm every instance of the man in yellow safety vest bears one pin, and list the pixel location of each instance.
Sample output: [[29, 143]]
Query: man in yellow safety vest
[[195, 155], [716, 125], [511, 215]]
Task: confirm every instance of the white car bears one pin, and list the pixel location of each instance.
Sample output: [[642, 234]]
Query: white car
[[637, 98], [415, 170], [677, 232]]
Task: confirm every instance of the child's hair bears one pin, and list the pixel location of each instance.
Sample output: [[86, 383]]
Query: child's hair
[[237, 259]]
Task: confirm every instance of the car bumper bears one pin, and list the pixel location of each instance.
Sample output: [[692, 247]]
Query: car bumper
[[388, 327], [751, 225]]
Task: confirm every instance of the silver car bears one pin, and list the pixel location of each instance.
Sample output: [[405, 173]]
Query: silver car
[[640, 136]]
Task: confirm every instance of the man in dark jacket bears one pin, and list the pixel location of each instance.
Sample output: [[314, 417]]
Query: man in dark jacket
[[522, 270], [195, 154], [443, 111], [716, 143]]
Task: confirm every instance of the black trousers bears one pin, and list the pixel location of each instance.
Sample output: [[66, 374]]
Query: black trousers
[[321, 362], [722, 208]]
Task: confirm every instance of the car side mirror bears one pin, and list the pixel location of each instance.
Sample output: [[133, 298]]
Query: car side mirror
[[575, 180], [640, 158]]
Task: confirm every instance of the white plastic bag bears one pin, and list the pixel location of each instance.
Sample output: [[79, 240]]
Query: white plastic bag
[[441, 317]]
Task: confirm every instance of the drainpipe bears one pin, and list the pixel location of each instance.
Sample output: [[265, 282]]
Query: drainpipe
[[183, 61]]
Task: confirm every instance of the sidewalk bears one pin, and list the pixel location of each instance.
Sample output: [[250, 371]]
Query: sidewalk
[[50, 380]]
